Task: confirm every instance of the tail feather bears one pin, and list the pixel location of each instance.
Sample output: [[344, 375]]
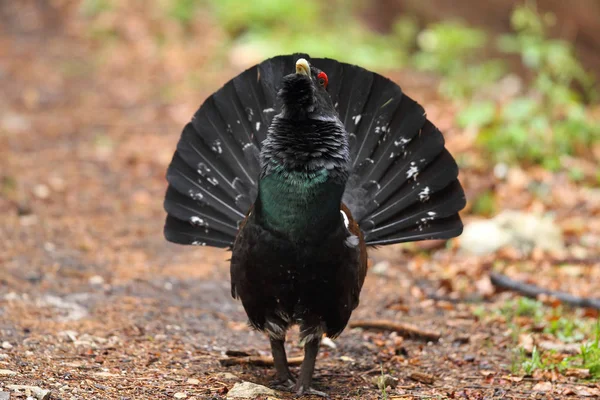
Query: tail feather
[[197, 213], [437, 176], [446, 228], [252, 98], [181, 232], [196, 153], [383, 101], [186, 181], [352, 99], [221, 129], [408, 118], [401, 172], [447, 203]]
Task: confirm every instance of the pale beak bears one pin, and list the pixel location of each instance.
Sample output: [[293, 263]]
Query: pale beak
[[302, 67]]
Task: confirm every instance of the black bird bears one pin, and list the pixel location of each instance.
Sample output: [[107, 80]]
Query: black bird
[[298, 166]]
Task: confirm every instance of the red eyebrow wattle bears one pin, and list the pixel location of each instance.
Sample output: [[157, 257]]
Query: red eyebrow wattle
[[323, 75]]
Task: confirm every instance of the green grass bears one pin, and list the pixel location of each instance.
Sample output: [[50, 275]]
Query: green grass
[[560, 324], [548, 118], [589, 358]]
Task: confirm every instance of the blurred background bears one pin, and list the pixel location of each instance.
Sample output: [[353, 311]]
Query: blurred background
[[94, 95]]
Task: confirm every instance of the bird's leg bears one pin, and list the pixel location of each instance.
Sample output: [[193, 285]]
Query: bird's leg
[[311, 349], [284, 376]]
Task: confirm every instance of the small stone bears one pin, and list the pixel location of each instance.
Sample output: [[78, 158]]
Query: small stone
[[6, 345], [180, 395], [41, 191], [7, 372], [4, 395], [193, 381], [96, 280], [249, 390]]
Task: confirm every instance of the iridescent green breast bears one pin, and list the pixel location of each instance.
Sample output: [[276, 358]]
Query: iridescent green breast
[[297, 203]]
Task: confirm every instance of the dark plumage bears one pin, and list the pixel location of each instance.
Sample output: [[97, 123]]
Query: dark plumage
[[313, 166]]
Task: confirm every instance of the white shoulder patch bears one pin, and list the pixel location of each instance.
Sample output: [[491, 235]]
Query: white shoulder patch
[[345, 217]]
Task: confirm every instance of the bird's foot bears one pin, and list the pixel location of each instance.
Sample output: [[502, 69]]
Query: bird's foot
[[302, 391], [285, 384]]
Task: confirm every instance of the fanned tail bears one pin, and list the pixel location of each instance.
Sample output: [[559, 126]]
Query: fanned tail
[[403, 185]]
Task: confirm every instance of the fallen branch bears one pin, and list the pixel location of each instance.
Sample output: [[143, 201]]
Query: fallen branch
[[529, 290], [256, 360], [407, 330]]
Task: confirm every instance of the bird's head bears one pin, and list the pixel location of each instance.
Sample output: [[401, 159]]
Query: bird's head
[[304, 94]]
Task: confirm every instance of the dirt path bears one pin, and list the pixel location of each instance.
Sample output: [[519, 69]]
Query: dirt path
[[94, 304]]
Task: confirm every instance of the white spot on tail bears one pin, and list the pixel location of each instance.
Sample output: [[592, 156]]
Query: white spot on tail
[[356, 119], [212, 180], [401, 142], [424, 194], [268, 110], [195, 195], [216, 146], [257, 126], [413, 171], [198, 243], [197, 221], [203, 169]]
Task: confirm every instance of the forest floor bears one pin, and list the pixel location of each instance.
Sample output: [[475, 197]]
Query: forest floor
[[95, 304]]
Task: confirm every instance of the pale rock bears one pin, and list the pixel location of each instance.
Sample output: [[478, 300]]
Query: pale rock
[[520, 230], [249, 390], [483, 237], [7, 372]]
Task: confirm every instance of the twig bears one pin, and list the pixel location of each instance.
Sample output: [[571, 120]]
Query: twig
[[256, 360], [529, 290], [408, 330]]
